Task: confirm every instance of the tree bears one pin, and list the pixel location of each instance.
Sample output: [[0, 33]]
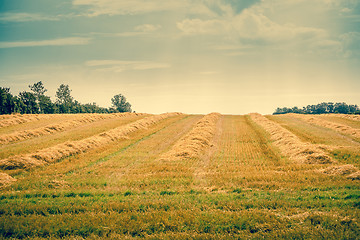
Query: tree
[[45, 104], [120, 104], [7, 105], [28, 103], [64, 98], [39, 90], [341, 108]]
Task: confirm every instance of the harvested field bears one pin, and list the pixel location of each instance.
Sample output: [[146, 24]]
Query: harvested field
[[290, 145], [341, 128], [67, 149], [19, 119], [348, 116], [178, 176], [54, 128], [194, 143]]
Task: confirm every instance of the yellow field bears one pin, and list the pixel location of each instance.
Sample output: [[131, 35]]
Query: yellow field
[[178, 176]]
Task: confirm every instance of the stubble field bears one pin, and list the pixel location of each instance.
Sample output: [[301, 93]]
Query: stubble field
[[179, 176]]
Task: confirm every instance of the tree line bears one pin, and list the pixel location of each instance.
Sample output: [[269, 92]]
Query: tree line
[[35, 101], [321, 108]]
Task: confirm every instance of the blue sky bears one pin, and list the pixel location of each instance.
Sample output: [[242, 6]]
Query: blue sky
[[193, 56]]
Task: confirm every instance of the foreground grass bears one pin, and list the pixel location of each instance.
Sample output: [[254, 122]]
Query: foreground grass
[[240, 189]]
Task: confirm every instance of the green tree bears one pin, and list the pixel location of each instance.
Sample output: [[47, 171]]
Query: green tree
[[64, 98], [28, 103], [39, 91], [120, 104], [7, 104], [46, 105], [341, 108]]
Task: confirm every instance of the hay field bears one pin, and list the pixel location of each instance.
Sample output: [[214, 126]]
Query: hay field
[[180, 176]]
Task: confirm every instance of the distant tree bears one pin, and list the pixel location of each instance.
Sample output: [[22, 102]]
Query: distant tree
[[296, 110], [322, 108], [353, 109], [64, 99], [37, 102], [341, 108], [120, 104], [46, 105], [39, 90], [28, 103], [7, 104]]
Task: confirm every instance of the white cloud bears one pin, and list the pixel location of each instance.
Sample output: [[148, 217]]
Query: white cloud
[[52, 42], [25, 17], [198, 26], [140, 30], [132, 7], [147, 28], [126, 7], [350, 44], [120, 66], [249, 25]]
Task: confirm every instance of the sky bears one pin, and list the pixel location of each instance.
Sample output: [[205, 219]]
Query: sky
[[191, 56]]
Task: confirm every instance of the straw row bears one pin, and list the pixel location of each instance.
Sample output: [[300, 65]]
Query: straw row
[[194, 143], [347, 116], [341, 128], [53, 128], [5, 180], [289, 144], [19, 119], [63, 150], [350, 170]]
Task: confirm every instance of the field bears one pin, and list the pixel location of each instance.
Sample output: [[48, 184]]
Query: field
[[179, 176]]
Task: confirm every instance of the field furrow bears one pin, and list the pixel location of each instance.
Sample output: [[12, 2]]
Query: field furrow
[[242, 154], [347, 116], [290, 145], [83, 131], [348, 120], [194, 143], [66, 149], [341, 128], [55, 128], [20, 119], [138, 165]]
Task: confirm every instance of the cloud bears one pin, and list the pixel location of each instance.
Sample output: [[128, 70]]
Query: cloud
[[25, 17], [120, 66], [350, 44], [52, 42], [132, 7], [140, 30], [249, 25], [126, 7]]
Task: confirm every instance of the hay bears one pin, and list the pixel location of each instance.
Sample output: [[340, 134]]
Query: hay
[[58, 184], [340, 170], [341, 128], [63, 150], [6, 180], [53, 128], [19, 119], [354, 176], [193, 144], [290, 145], [347, 116]]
